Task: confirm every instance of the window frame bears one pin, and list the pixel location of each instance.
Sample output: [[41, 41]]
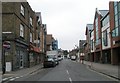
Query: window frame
[[22, 30], [105, 38], [22, 10], [31, 21], [31, 37]]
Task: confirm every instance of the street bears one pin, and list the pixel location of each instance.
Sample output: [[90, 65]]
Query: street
[[67, 70]]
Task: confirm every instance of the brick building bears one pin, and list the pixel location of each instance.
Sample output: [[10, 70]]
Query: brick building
[[103, 44], [81, 49], [15, 28], [49, 42], [89, 29], [114, 10], [26, 34], [106, 42]]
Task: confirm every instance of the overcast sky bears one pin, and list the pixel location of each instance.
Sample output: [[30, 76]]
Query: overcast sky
[[67, 19]]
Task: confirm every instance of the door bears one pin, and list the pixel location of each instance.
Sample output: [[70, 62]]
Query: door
[[21, 59]]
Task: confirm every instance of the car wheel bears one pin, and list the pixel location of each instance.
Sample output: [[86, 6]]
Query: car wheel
[[45, 66]]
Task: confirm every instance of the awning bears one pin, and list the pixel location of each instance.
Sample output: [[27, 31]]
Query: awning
[[35, 49]]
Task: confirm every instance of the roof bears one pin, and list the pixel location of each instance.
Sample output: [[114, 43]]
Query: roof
[[39, 18], [103, 12], [89, 27]]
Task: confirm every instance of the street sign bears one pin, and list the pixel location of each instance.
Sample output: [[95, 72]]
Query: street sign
[[6, 44]]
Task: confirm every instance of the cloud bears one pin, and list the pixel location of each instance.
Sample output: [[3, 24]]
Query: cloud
[[67, 19]]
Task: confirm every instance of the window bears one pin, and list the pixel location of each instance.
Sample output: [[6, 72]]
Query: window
[[22, 11], [92, 44], [119, 6], [31, 21], [97, 34], [115, 3], [96, 21], [115, 32], [119, 15], [105, 39], [116, 23], [105, 21], [115, 10], [116, 17], [30, 37], [21, 30]]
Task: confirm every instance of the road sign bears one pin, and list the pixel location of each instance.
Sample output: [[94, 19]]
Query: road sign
[[6, 44]]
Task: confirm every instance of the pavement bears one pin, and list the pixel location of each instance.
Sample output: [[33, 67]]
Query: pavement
[[20, 73], [106, 69]]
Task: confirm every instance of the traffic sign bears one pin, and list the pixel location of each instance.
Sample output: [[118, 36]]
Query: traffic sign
[[6, 44]]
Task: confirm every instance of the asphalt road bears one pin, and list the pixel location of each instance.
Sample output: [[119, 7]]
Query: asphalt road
[[67, 70]]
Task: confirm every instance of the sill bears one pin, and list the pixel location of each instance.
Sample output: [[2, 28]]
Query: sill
[[21, 37]]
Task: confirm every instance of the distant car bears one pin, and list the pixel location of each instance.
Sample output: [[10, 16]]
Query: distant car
[[49, 62], [73, 57]]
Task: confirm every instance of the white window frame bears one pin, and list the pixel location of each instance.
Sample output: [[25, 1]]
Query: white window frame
[[31, 37], [22, 11], [21, 30], [31, 21]]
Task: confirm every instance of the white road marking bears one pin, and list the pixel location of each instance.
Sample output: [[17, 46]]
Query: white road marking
[[67, 72], [5, 79], [70, 80], [21, 76], [69, 76], [17, 77], [12, 79]]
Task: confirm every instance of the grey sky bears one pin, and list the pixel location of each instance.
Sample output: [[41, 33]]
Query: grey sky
[[67, 19]]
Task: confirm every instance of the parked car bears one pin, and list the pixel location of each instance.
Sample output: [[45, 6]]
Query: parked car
[[56, 60], [59, 58], [49, 62]]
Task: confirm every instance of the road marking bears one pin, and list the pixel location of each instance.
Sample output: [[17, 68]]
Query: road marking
[[21, 76], [6, 78], [70, 80], [67, 72], [102, 74], [17, 77], [12, 79], [69, 76]]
